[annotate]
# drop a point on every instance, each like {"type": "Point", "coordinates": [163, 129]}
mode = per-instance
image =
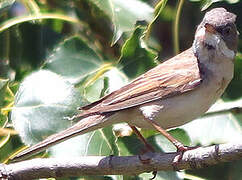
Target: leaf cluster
{"type": "Point", "coordinates": [56, 56]}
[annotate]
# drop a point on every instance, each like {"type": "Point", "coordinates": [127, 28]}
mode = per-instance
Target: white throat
{"type": "Point", "coordinates": [214, 40]}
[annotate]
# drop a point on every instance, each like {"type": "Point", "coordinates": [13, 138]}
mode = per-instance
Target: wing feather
{"type": "Point", "coordinates": [175, 76]}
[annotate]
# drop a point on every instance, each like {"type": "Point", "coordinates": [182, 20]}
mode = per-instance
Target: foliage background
{"type": "Point", "coordinates": [79, 50]}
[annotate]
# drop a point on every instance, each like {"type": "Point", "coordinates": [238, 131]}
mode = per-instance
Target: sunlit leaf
{"type": "Point", "coordinates": [18, 20]}
{"type": "Point", "coordinates": [42, 103]}
{"type": "Point", "coordinates": [115, 79]}
{"type": "Point", "coordinates": [207, 3]}
{"type": "Point", "coordinates": [124, 14]}
{"type": "Point", "coordinates": [215, 128]}
{"type": "Point", "coordinates": [162, 143]}
{"type": "Point", "coordinates": [6, 3]}
{"type": "Point", "coordinates": [99, 142]}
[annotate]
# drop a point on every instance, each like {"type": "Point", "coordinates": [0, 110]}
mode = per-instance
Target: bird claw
{"type": "Point", "coordinates": [181, 149]}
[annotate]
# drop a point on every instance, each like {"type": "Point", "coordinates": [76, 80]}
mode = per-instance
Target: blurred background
{"type": "Point", "coordinates": [69, 53]}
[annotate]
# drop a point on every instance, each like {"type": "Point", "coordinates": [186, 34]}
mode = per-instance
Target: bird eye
{"type": "Point", "coordinates": [226, 31]}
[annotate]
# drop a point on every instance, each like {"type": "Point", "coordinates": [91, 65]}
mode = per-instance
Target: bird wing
{"type": "Point", "coordinates": [173, 77]}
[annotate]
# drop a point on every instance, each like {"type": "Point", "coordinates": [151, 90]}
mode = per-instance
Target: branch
{"type": "Point", "coordinates": [128, 165]}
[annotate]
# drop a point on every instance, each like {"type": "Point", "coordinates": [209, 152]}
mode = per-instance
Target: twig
{"type": "Point", "coordinates": [176, 27]}
{"type": "Point", "coordinates": [126, 165]}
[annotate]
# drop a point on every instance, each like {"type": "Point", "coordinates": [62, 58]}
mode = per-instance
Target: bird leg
{"type": "Point", "coordinates": [147, 145]}
{"type": "Point", "coordinates": [180, 147]}
{"type": "Point", "coordinates": [140, 136]}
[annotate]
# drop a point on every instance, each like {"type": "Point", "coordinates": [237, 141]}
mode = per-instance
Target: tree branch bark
{"type": "Point", "coordinates": [127, 165]}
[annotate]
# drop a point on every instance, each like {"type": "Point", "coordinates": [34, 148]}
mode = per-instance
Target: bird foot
{"type": "Point", "coordinates": [181, 149]}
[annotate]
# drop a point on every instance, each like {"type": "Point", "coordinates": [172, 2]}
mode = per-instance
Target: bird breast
{"type": "Point", "coordinates": [178, 110]}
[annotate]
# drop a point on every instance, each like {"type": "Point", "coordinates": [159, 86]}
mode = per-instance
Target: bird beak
{"type": "Point", "coordinates": [209, 28]}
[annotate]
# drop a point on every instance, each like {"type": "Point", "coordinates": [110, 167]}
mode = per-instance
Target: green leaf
{"type": "Point", "coordinates": [99, 142]}
{"type": "Point", "coordinates": [207, 3]}
{"type": "Point", "coordinates": [3, 83]}
{"type": "Point", "coordinates": [115, 79]}
{"type": "Point", "coordinates": [158, 9]}
{"type": "Point", "coordinates": [6, 3]}
{"type": "Point", "coordinates": [42, 103]}
{"type": "Point", "coordinates": [6, 147]}
{"type": "Point", "coordinates": [3, 120]}
{"type": "Point", "coordinates": [5, 99]}
{"type": "Point", "coordinates": [235, 170]}
{"type": "Point", "coordinates": [231, 170]}
{"type": "Point", "coordinates": [3, 86]}
{"type": "Point", "coordinates": [93, 92]}
{"type": "Point", "coordinates": [234, 89]}
{"type": "Point", "coordinates": [163, 144]}
{"type": "Point", "coordinates": [215, 127]}
{"type": "Point", "coordinates": [135, 53]}
{"type": "Point", "coordinates": [131, 145]}
{"type": "Point", "coordinates": [124, 14]}
{"type": "Point", "coordinates": [74, 60]}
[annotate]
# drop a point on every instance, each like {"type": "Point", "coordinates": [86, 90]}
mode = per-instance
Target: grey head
{"type": "Point", "coordinates": [224, 23]}
{"type": "Point", "coordinates": [217, 32]}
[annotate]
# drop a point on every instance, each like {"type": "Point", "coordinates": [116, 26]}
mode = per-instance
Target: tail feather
{"type": "Point", "coordinates": [83, 126]}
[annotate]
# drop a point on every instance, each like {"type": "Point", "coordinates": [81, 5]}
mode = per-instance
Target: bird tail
{"type": "Point", "coordinates": [83, 126]}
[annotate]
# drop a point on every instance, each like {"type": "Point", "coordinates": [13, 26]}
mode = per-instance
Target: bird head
{"type": "Point", "coordinates": [216, 36]}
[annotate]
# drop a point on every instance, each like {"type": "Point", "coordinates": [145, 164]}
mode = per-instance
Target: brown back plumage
{"type": "Point", "coordinates": [178, 75]}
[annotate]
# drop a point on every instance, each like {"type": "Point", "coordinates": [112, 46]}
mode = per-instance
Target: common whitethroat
{"type": "Point", "coordinates": [169, 95]}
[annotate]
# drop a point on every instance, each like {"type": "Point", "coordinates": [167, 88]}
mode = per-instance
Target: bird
{"type": "Point", "coordinates": [171, 94]}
